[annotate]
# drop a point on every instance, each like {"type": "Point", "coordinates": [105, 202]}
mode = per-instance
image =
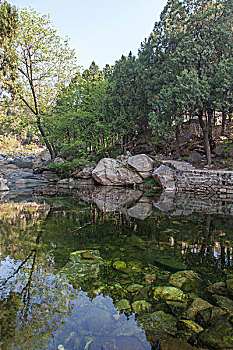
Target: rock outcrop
{"type": "Point", "coordinates": [112, 172]}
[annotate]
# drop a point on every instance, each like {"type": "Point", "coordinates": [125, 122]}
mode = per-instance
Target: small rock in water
{"type": "Point", "coordinates": [118, 265]}
{"type": "Point", "coordinates": [61, 347]}
{"type": "Point", "coordinates": [140, 306]}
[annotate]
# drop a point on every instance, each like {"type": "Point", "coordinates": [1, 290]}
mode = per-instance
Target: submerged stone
{"type": "Point", "coordinates": [217, 288]}
{"type": "Point", "coordinates": [189, 325]}
{"type": "Point", "coordinates": [170, 262]}
{"type": "Point", "coordinates": [133, 288]}
{"type": "Point", "coordinates": [223, 302]}
{"type": "Point", "coordinates": [140, 306]}
{"type": "Point", "coordinates": [159, 323]}
{"type": "Point", "coordinates": [230, 286]}
{"type": "Point", "coordinates": [211, 316]}
{"type": "Point", "coordinates": [123, 304]}
{"type": "Point", "coordinates": [119, 265]}
{"type": "Point", "coordinates": [170, 343]}
{"type": "Point", "coordinates": [217, 337]}
{"type": "Point", "coordinates": [198, 304]}
{"type": "Point", "coordinates": [168, 293]}
{"type": "Point", "coordinates": [186, 280]}
{"type": "Point", "coordinates": [176, 307]}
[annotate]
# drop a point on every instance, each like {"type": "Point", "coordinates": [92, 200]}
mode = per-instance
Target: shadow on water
{"type": "Point", "coordinates": [114, 269]}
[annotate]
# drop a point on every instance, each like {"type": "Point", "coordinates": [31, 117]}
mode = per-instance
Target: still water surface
{"type": "Point", "coordinates": [73, 277]}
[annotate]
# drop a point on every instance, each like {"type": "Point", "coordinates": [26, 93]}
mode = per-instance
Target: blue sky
{"type": "Point", "coordinates": [100, 30]}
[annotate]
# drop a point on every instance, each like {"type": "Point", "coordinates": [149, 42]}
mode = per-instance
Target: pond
{"type": "Point", "coordinates": [74, 277]}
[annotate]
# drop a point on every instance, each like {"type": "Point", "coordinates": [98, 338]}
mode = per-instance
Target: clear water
{"type": "Point", "coordinates": [51, 299]}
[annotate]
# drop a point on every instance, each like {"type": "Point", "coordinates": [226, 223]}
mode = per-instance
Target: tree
{"type": "Point", "coordinates": [127, 108]}
{"type": "Point", "coordinates": [45, 66]}
{"type": "Point", "coordinates": [191, 54]}
{"type": "Point", "coordinates": [78, 124]}
{"type": "Point", "coordinates": [8, 26]}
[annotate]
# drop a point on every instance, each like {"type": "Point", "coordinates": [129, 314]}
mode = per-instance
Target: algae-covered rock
{"type": "Point", "coordinates": [158, 323]}
{"type": "Point", "coordinates": [217, 337]}
{"type": "Point", "coordinates": [119, 265]}
{"type": "Point", "coordinates": [123, 304]}
{"type": "Point", "coordinates": [217, 288]}
{"type": "Point", "coordinates": [186, 280]}
{"type": "Point", "coordinates": [211, 316]}
{"type": "Point", "coordinates": [79, 267]}
{"type": "Point", "coordinates": [140, 306]}
{"type": "Point", "coordinates": [168, 293]}
{"type": "Point", "coordinates": [133, 288]}
{"type": "Point", "coordinates": [223, 302]}
{"type": "Point", "coordinates": [176, 307]}
{"type": "Point", "coordinates": [230, 286]}
{"type": "Point", "coordinates": [198, 304]}
{"type": "Point", "coordinates": [170, 343]}
{"type": "Point", "coordinates": [169, 262]}
{"type": "Point", "coordinates": [189, 325]}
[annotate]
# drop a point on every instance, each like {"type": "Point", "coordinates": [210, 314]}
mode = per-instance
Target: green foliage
{"type": "Point", "coordinates": [8, 26]}
{"type": "Point", "coordinates": [78, 126]}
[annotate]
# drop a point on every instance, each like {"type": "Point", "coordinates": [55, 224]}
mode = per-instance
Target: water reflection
{"type": "Point", "coordinates": [80, 278]}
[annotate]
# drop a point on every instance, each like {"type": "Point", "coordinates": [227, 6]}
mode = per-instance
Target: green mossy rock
{"type": "Point", "coordinates": [230, 286]}
{"type": "Point", "coordinates": [212, 316]}
{"type": "Point", "coordinates": [158, 323]}
{"type": "Point", "coordinates": [176, 307]}
{"type": "Point", "coordinates": [190, 326]}
{"type": "Point", "coordinates": [218, 337]}
{"type": "Point", "coordinates": [119, 265]}
{"type": "Point", "coordinates": [186, 280]}
{"type": "Point", "coordinates": [140, 306]}
{"type": "Point", "coordinates": [198, 304]}
{"type": "Point", "coordinates": [168, 293]}
{"type": "Point", "coordinates": [134, 288]}
{"type": "Point", "coordinates": [223, 302]}
{"type": "Point", "coordinates": [170, 343]}
{"type": "Point", "coordinates": [123, 304]}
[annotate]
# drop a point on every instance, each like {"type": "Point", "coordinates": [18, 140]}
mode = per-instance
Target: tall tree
{"type": "Point", "coordinates": [191, 53]}
{"type": "Point", "coordinates": [126, 104]}
{"type": "Point", "coordinates": [45, 65]}
{"type": "Point", "coordinates": [8, 26]}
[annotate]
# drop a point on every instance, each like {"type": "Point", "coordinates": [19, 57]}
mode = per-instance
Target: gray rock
{"type": "Point", "coordinates": [164, 175]}
{"type": "Point", "coordinates": [3, 186]}
{"type": "Point", "coordinates": [142, 164]}
{"type": "Point", "coordinates": [45, 156]}
{"type": "Point", "coordinates": [140, 211]}
{"type": "Point", "coordinates": [111, 172]}
{"type": "Point", "coordinates": [86, 173]}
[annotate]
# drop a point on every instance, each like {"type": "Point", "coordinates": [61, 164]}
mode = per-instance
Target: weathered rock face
{"type": "Point", "coordinates": [164, 175]}
{"type": "Point", "coordinates": [142, 164]}
{"type": "Point", "coordinates": [85, 173]}
{"type": "Point", "coordinates": [111, 172]}
{"type": "Point", "coordinates": [3, 186]}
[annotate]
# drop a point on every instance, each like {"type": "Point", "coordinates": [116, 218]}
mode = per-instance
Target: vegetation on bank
{"type": "Point", "coordinates": [183, 72]}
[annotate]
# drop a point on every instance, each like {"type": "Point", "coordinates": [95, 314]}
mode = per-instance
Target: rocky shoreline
{"type": "Point", "coordinates": [28, 172]}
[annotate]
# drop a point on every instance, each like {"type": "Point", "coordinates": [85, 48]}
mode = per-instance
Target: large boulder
{"type": "Point", "coordinates": [112, 172]}
{"type": "Point", "coordinates": [3, 186]}
{"type": "Point", "coordinates": [164, 175]}
{"type": "Point", "coordinates": [142, 164]}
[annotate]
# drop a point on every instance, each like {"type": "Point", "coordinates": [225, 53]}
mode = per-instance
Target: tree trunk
{"type": "Point", "coordinates": [206, 137]}
{"type": "Point", "coordinates": [125, 143]}
{"type": "Point", "coordinates": [177, 142]}
{"type": "Point", "coordinates": [224, 117]}
{"type": "Point", "coordinates": [51, 151]}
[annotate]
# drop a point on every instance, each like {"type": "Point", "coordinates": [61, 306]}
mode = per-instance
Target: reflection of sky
{"type": "Point", "coordinates": [8, 267]}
